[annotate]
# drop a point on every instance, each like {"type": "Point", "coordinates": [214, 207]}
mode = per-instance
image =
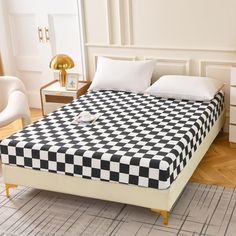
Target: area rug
{"type": "Point", "coordinates": [201, 210]}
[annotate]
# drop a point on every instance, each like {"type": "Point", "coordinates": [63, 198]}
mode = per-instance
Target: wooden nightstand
{"type": "Point", "coordinates": [54, 96]}
{"type": "Point", "coordinates": [232, 119]}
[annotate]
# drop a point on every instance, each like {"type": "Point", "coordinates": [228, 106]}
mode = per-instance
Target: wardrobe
{"type": "Point", "coordinates": [38, 30]}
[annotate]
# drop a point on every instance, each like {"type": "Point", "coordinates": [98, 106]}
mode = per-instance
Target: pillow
{"type": "Point", "coordinates": [185, 87]}
{"type": "Point", "coordinates": [132, 76]}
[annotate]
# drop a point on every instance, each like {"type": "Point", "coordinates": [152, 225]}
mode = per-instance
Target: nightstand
{"type": "Point", "coordinates": [54, 96]}
{"type": "Point", "coordinates": [232, 119]}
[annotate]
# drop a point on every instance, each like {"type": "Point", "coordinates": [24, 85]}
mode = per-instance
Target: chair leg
{"type": "Point", "coordinates": [7, 187]}
{"type": "Point", "coordinates": [164, 214]}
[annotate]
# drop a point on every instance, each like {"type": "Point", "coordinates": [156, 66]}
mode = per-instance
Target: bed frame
{"type": "Point", "coordinates": [160, 201]}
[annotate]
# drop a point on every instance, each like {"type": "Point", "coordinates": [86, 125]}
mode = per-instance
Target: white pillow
{"type": "Point", "coordinates": [133, 76]}
{"type": "Point", "coordinates": [185, 87]}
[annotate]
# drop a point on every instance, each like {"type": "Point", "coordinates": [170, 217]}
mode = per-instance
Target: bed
{"type": "Point", "coordinates": [142, 150]}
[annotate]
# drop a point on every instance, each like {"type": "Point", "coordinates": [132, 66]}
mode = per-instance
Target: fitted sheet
{"type": "Point", "coordinates": [138, 139]}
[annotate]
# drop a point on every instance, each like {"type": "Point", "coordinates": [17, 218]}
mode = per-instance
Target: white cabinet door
{"type": "Point", "coordinates": [64, 30]}
{"type": "Point", "coordinates": [56, 23]}
{"type": "Point", "coordinates": [28, 50]}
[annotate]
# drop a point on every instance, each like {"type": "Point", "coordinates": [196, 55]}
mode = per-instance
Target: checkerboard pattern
{"type": "Point", "coordinates": [138, 139]}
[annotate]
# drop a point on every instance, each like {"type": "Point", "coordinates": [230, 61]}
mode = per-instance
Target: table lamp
{"type": "Point", "coordinates": [61, 62]}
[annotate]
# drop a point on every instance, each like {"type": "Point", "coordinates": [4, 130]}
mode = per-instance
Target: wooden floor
{"type": "Point", "coordinates": [219, 164]}
{"type": "Point", "coordinates": [16, 126]}
{"type": "Point", "coordinates": [217, 167]}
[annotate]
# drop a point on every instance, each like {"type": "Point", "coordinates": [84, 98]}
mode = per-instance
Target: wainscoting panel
{"type": "Point", "coordinates": [96, 21]}
{"type": "Point", "coordinates": [170, 66]}
{"type": "Point", "coordinates": [184, 24]}
{"type": "Point", "coordinates": [219, 70]}
{"type": "Point", "coordinates": [114, 57]}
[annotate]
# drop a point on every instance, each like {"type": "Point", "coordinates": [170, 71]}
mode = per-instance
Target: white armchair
{"type": "Point", "coordinates": [13, 101]}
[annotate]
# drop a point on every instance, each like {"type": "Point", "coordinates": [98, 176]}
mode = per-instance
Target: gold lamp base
{"type": "Point", "coordinates": [62, 78]}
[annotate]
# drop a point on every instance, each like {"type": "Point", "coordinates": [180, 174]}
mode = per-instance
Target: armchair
{"type": "Point", "coordinates": [13, 101]}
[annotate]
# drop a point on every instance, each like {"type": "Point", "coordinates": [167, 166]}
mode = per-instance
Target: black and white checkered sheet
{"type": "Point", "coordinates": [139, 139]}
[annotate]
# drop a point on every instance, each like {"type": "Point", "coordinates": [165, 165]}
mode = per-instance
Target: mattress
{"type": "Point", "coordinates": [138, 139]}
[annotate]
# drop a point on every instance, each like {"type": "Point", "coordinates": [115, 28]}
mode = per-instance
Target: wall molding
{"type": "Point", "coordinates": [130, 22]}
{"type": "Point", "coordinates": [153, 47]}
{"type": "Point", "coordinates": [171, 61]}
{"type": "Point", "coordinates": [81, 7]}
{"type": "Point", "coordinates": [108, 21]}
{"type": "Point", "coordinates": [167, 61]}
{"type": "Point", "coordinates": [203, 64]}
{"type": "Point", "coordinates": [121, 22]}
{"type": "Point", "coordinates": [81, 19]}
{"type": "Point", "coordinates": [125, 19]}
{"type": "Point", "coordinates": [111, 56]}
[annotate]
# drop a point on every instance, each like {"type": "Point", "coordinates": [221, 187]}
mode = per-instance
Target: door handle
{"type": "Point", "coordinates": [46, 34]}
{"type": "Point", "coordinates": [40, 34]}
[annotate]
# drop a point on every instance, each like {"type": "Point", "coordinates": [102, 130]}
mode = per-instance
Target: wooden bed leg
{"type": "Point", "coordinates": [8, 186]}
{"type": "Point", "coordinates": [164, 214]}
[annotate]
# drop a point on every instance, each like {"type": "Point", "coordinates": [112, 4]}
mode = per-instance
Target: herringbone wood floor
{"type": "Point", "coordinates": [217, 167]}
{"type": "Point", "coordinates": [219, 164]}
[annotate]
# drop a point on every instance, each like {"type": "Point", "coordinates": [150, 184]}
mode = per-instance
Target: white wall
{"type": "Point", "coordinates": [196, 37]}
{"type": "Point", "coordinates": [5, 51]}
